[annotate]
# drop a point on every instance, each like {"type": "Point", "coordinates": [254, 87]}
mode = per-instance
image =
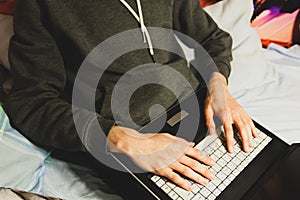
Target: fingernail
{"type": "Point", "coordinates": [212, 174]}
{"type": "Point", "coordinates": [205, 181]}
{"type": "Point", "coordinates": [251, 145]}
{"type": "Point", "coordinates": [247, 149]}
{"type": "Point", "coordinates": [188, 186]}
{"type": "Point", "coordinates": [192, 144]}
{"type": "Point", "coordinates": [211, 131]}
{"type": "Point", "coordinates": [230, 149]}
{"type": "Point", "coordinates": [212, 162]}
{"type": "Point", "coordinates": [203, 155]}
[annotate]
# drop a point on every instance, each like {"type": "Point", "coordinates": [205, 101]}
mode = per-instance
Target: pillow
{"type": "Point", "coordinates": [249, 67]}
{"type": "Point", "coordinates": [6, 31]}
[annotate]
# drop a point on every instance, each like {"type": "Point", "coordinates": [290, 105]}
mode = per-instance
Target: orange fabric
{"type": "Point", "coordinates": [7, 7]}
{"type": "Point", "coordinates": [208, 2]}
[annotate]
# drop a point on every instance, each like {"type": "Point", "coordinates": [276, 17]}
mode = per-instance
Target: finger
{"type": "Point", "coordinates": [250, 134]}
{"type": "Point", "coordinates": [200, 156]}
{"type": "Point", "coordinates": [189, 173]}
{"type": "Point", "coordinates": [197, 167]}
{"type": "Point", "coordinates": [246, 133]}
{"type": "Point", "coordinates": [253, 129]}
{"type": "Point", "coordinates": [209, 116]}
{"type": "Point", "coordinates": [175, 178]}
{"type": "Point", "coordinates": [229, 135]}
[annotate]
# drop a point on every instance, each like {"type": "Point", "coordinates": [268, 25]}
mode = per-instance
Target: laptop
{"type": "Point", "coordinates": [236, 174]}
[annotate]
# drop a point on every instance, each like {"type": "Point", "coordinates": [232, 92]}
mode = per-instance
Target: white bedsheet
{"type": "Point", "coordinates": [277, 105]}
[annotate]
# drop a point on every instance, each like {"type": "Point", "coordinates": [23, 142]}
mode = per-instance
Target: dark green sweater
{"type": "Point", "coordinates": [53, 37]}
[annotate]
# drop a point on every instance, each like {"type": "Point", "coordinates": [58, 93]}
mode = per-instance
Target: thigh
{"type": "Point", "coordinates": [22, 163]}
{"type": "Point", "coordinates": [72, 181]}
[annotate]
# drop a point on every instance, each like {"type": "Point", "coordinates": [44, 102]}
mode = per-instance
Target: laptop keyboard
{"type": "Point", "coordinates": [227, 168]}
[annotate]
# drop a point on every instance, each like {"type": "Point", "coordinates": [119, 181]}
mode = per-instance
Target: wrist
{"type": "Point", "coordinates": [218, 77]}
{"type": "Point", "coordinates": [217, 82]}
{"type": "Point", "coordinates": [122, 139]}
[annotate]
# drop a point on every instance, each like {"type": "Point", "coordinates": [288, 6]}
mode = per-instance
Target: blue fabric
{"type": "Point", "coordinates": [27, 167]}
{"type": "Point", "coordinates": [22, 163]}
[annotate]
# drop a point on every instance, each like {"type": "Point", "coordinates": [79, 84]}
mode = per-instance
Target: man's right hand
{"type": "Point", "coordinates": [163, 154]}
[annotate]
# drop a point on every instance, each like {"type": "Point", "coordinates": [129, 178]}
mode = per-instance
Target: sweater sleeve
{"type": "Point", "coordinates": [192, 20]}
{"type": "Point", "coordinates": [34, 105]}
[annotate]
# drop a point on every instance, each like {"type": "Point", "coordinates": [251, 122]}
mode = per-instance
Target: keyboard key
{"type": "Point", "coordinates": [222, 149]}
{"type": "Point", "coordinates": [269, 139]}
{"type": "Point", "coordinates": [226, 182]}
{"type": "Point", "coordinates": [263, 136]}
{"type": "Point", "coordinates": [216, 144]}
{"type": "Point", "coordinates": [171, 185]}
{"type": "Point", "coordinates": [231, 166]}
{"type": "Point", "coordinates": [260, 147]}
{"type": "Point", "coordinates": [226, 170]}
{"type": "Point", "coordinates": [210, 186]}
{"type": "Point", "coordinates": [209, 151]}
{"type": "Point", "coordinates": [195, 188]}
{"type": "Point", "coordinates": [222, 186]}
{"type": "Point", "coordinates": [216, 167]}
{"type": "Point", "coordinates": [236, 161]}
{"type": "Point", "coordinates": [222, 162]}
{"type": "Point", "coordinates": [217, 181]}
{"type": "Point", "coordinates": [236, 172]}
{"type": "Point", "coordinates": [214, 157]}
{"type": "Point", "coordinates": [231, 177]}
{"type": "Point", "coordinates": [173, 195]}
{"type": "Point", "coordinates": [166, 188]}
{"type": "Point", "coordinates": [181, 192]}
{"type": "Point", "coordinates": [190, 195]}
{"type": "Point", "coordinates": [255, 152]}
{"type": "Point", "coordinates": [205, 192]}
{"type": "Point", "coordinates": [226, 157]}
{"type": "Point", "coordinates": [241, 155]}
{"type": "Point", "coordinates": [211, 197]}
{"type": "Point", "coordinates": [218, 153]}
{"type": "Point", "coordinates": [241, 167]}
{"type": "Point", "coordinates": [198, 197]}
{"type": "Point", "coordinates": [160, 182]}
{"type": "Point", "coordinates": [221, 176]}
{"type": "Point", "coordinates": [217, 192]}
{"type": "Point", "coordinates": [155, 178]}
{"type": "Point", "coordinates": [255, 142]}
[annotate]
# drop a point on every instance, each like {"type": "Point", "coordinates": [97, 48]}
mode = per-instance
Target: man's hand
{"type": "Point", "coordinates": [163, 154]}
{"type": "Point", "coordinates": [219, 102]}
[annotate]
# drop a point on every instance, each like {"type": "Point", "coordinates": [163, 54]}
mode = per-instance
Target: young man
{"type": "Point", "coordinates": [52, 39]}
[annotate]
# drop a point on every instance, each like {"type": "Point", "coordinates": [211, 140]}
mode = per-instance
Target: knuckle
{"type": "Point", "coordinates": [185, 171]}
{"type": "Point", "coordinates": [194, 164]}
{"type": "Point", "coordinates": [161, 172]}
{"type": "Point", "coordinates": [249, 121]}
{"type": "Point", "coordinates": [243, 128]}
{"type": "Point", "coordinates": [206, 172]}
{"type": "Point", "coordinates": [173, 177]}
{"type": "Point", "coordinates": [230, 140]}
{"type": "Point", "coordinates": [236, 114]}
{"type": "Point", "coordinates": [196, 151]}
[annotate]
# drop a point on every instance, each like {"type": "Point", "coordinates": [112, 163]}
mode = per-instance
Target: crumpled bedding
{"type": "Point", "coordinates": [276, 105]}
{"type": "Point", "coordinates": [12, 194]}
